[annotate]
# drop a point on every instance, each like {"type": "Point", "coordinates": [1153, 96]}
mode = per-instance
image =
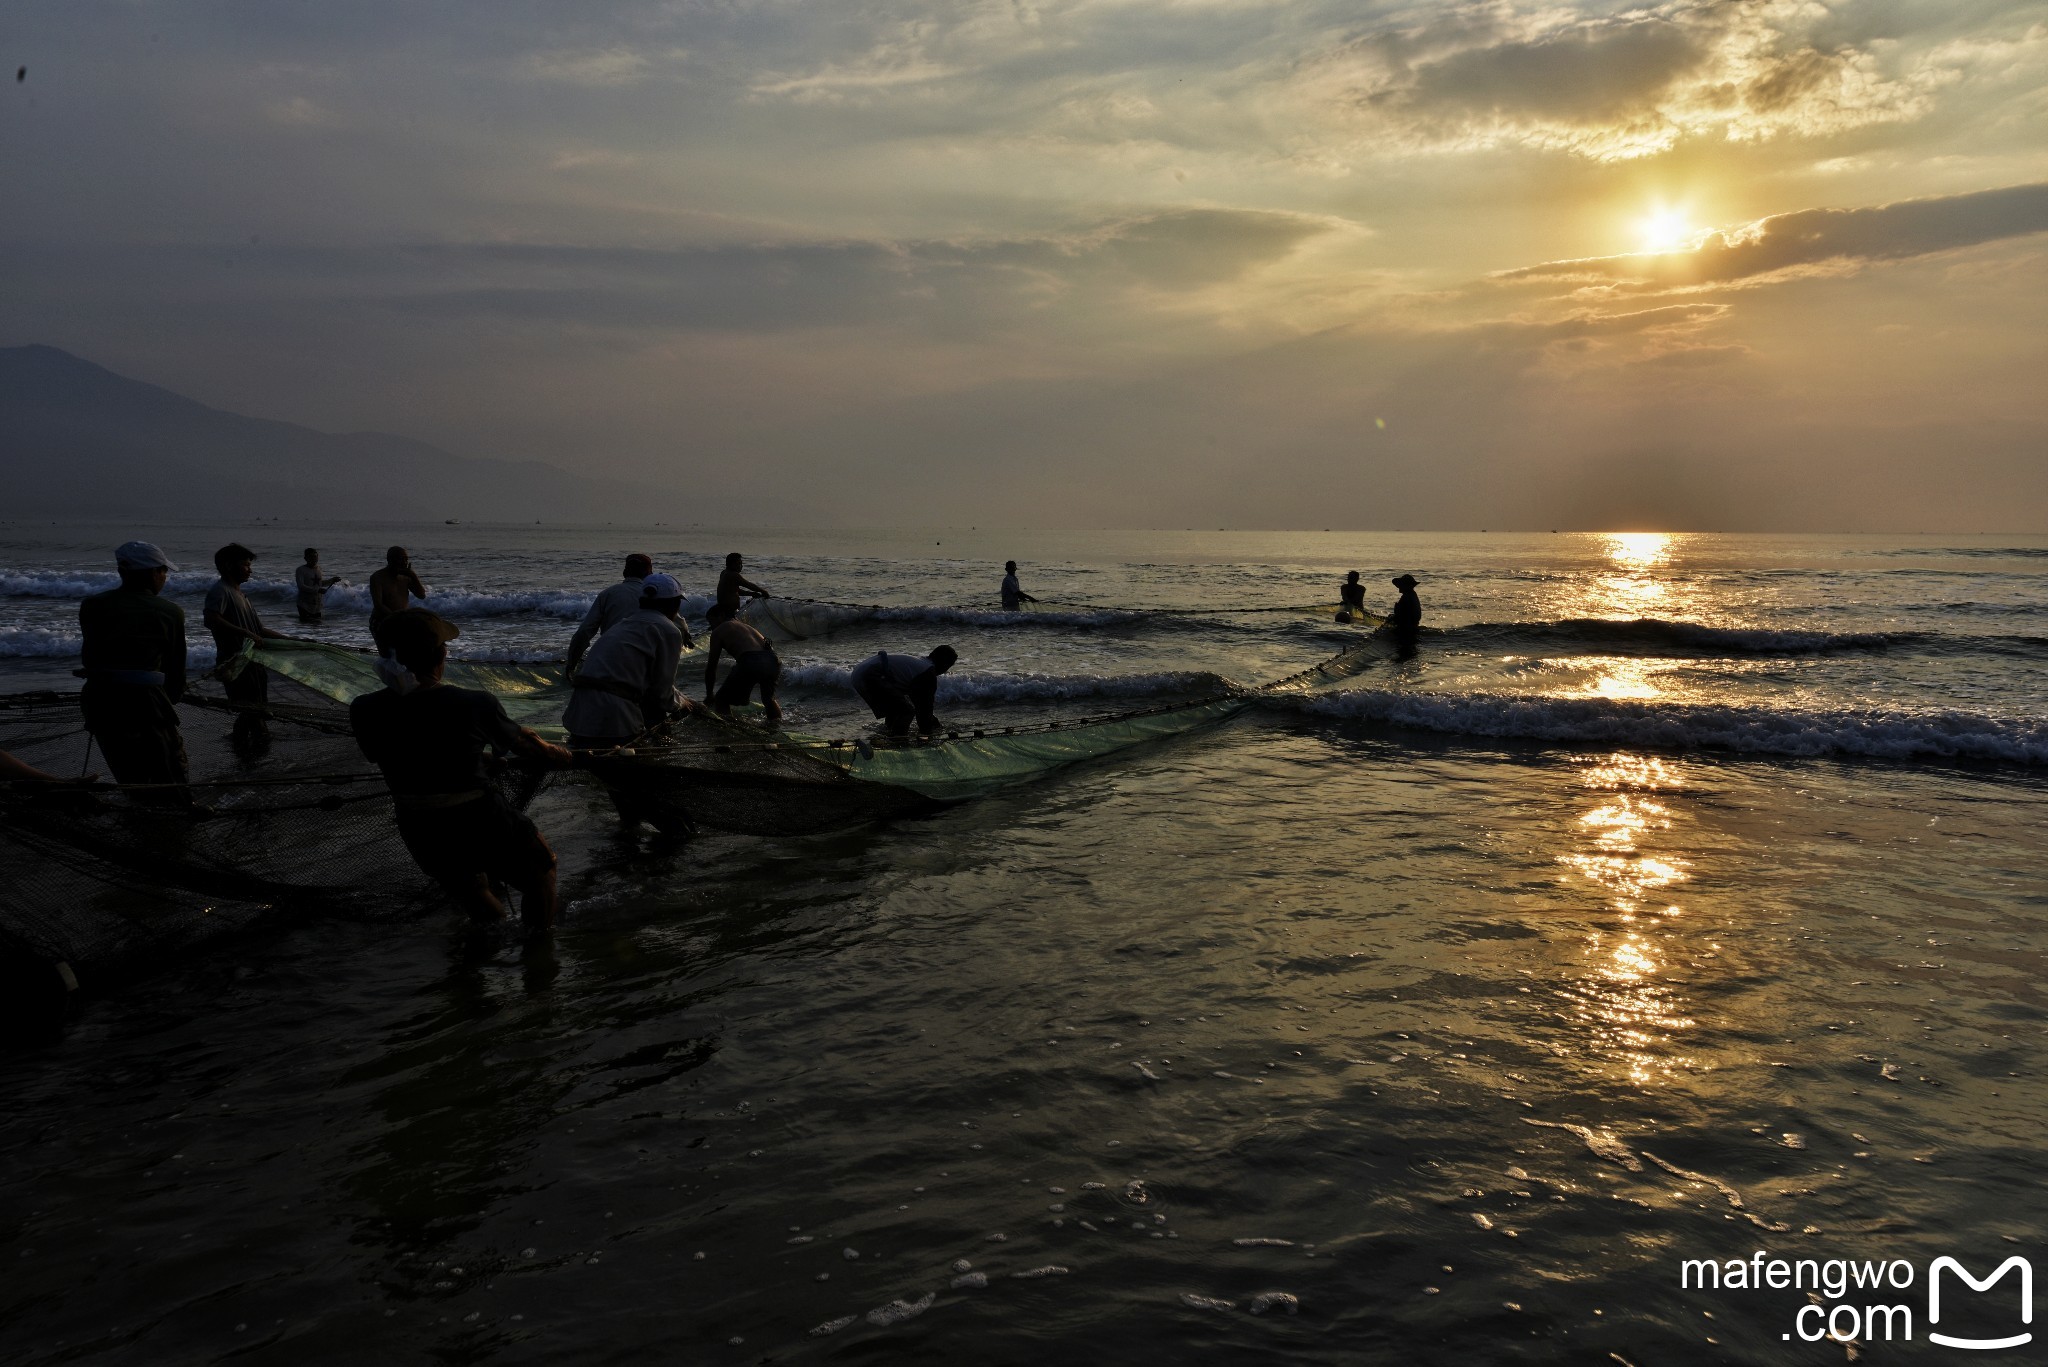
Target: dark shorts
{"type": "Point", "coordinates": [484, 836]}
{"type": "Point", "coordinates": [138, 733]}
{"type": "Point", "coordinates": [750, 670]}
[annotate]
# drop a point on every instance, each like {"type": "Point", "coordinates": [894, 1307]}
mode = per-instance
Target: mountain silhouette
{"type": "Point", "coordinates": [77, 440]}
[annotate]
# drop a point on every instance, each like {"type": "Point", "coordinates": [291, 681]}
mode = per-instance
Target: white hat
{"type": "Point", "coordinates": [660, 586]}
{"type": "Point", "coordinates": [142, 555]}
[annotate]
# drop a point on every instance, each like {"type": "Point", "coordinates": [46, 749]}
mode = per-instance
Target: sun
{"type": "Point", "coordinates": [1666, 230]}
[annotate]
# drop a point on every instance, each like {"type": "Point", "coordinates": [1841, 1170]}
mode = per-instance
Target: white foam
{"type": "Point", "coordinates": [1686, 726]}
{"type": "Point", "coordinates": [897, 1311]}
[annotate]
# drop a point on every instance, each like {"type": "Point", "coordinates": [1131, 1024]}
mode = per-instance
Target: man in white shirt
{"type": "Point", "coordinates": [613, 606]}
{"type": "Point", "coordinates": [901, 687]}
{"type": "Point", "coordinates": [627, 685]}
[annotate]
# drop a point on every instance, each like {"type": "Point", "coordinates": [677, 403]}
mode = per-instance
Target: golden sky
{"type": "Point", "coordinates": [1773, 265]}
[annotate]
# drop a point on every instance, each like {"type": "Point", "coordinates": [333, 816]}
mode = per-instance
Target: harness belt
{"type": "Point", "coordinates": [612, 686]}
{"type": "Point", "coordinates": [139, 678]}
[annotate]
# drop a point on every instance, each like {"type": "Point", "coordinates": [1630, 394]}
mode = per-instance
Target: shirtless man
{"type": "Point", "coordinates": [754, 664]}
{"type": "Point", "coordinates": [1353, 594]}
{"type": "Point", "coordinates": [731, 582]}
{"type": "Point", "coordinates": [389, 591]}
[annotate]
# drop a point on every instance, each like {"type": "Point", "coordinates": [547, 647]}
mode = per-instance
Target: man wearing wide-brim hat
{"type": "Point", "coordinates": [1406, 618]}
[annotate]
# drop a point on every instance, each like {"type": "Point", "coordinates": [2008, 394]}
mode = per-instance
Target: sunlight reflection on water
{"type": "Point", "coordinates": [1633, 1015]}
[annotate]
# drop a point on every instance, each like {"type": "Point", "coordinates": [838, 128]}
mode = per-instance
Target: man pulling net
{"type": "Point", "coordinates": [903, 688]}
{"type": "Point", "coordinates": [627, 685]}
{"type": "Point", "coordinates": [429, 740]}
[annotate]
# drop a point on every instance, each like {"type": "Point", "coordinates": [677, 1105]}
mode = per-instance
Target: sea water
{"type": "Point", "coordinates": [1679, 899]}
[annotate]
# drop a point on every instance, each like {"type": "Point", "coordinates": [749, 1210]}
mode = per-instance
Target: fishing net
{"type": "Point", "coordinates": [108, 881]}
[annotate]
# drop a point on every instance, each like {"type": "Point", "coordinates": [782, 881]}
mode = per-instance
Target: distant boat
{"type": "Point", "coordinates": [449, 521]}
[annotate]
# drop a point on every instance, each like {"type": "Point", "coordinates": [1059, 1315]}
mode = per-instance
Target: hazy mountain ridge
{"type": "Point", "coordinates": [78, 440]}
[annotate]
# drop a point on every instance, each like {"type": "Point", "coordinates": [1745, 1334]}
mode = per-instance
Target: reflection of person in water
{"type": "Point", "coordinates": [1406, 619]}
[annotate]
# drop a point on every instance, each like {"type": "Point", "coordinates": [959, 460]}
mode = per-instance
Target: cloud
{"type": "Point", "coordinates": [1622, 86]}
{"type": "Point", "coordinates": [1819, 241]}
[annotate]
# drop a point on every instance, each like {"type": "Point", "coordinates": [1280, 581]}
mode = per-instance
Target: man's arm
{"type": "Point", "coordinates": [750, 585]}
{"type": "Point", "coordinates": [586, 632]}
{"type": "Point", "coordinates": [924, 693]}
{"type": "Point", "coordinates": [711, 664]}
{"type": "Point", "coordinates": [174, 654]}
{"type": "Point", "coordinates": [527, 742]}
{"type": "Point", "coordinates": [412, 582]}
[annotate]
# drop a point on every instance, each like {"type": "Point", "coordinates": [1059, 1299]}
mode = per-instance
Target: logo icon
{"type": "Point", "coordinates": [2026, 1270]}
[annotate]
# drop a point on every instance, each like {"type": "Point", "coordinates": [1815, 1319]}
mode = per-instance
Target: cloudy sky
{"type": "Point", "coordinates": [1771, 264]}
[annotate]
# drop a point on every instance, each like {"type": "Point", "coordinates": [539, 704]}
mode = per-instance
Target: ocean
{"type": "Point", "coordinates": [1678, 902]}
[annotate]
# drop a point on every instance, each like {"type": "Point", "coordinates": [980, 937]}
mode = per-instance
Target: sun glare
{"type": "Point", "coordinates": [1666, 230]}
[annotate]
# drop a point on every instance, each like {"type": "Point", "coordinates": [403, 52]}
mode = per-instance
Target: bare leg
{"type": "Point", "coordinates": [538, 903]}
{"type": "Point", "coordinates": [473, 894]}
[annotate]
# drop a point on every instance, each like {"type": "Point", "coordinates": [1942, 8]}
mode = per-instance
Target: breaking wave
{"type": "Point", "coordinates": [1746, 730]}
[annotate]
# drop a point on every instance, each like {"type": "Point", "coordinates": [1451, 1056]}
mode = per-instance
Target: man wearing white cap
{"type": "Point", "coordinates": [134, 668]}
{"type": "Point", "coordinates": [628, 684]}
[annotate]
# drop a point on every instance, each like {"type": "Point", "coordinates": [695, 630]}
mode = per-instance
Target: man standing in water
{"type": "Point", "coordinates": [754, 665]}
{"type": "Point", "coordinates": [731, 583]}
{"type": "Point", "coordinates": [613, 606]}
{"type": "Point", "coordinates": [1013, 594]}
{"type": "Point", "coordinates": [134, 667]}
{"type": "Point", "coordinates": [430, 742]}
{"type": "Point", "coordinates": [313, 586]}
{"type": "Point", "coordinates": [898, 688]}
{"type": "Point", "coordinates": [391, 590]}
{"type": "Point", "coordinates": [233, 621]}
{"type": "Point", "coordinates": [1353, 595]}
{"type": "Point", "coordinates": [627, 685]}
{"type": "Point", "coordinates": [1406, 619]}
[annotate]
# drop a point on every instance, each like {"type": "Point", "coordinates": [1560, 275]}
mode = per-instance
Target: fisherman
{"type": "Point", "coordinates": [628, 685]}
{"type": "Point", "coordinates": [1406, 618]}
{"type": "Point", "coordinates": [731, 583]}
{"type": "Point", "coordinates": [1013, 596]}
{"type": "Point", "coordinates": [430, 743]}
{"type": "Point", "coordinates": [134, 668]}
{"type": "Point", "coordinates": [613, 606]}
{"type": "Point", "coordinates": [390, 591]}
{"type": "Point", "coordinates": [900, 687]}
{"type": "Point", "coordinates": [1353, 594]}
{"type": "Point", "coordinates": [754, 665]}
{"type": "Point", "coordinates": [232, 621]}
{"type": "Point", "coordinates": [313, 587]}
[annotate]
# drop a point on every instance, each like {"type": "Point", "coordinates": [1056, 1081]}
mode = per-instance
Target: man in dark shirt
{"type": "Point", "coordinates": [1406, 619]}
{"type": "Point", "coordinates": [134, 667]}
{"type": "Point", "coordinates": [233, 623]}
{"type": "Point", "coordinates": [430, 743]}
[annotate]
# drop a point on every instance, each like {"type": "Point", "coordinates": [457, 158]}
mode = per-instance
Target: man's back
{"type": "Point", "coordinates": [902, 670]}
{"type": "Point", "coordinates": [631, 669]}
{"type": "Point", "coordinates": [432, 739]}
{"type": "Point", "coordinates": [125, 628]}
{"type": "Point", "coordinates": [735, 637]}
